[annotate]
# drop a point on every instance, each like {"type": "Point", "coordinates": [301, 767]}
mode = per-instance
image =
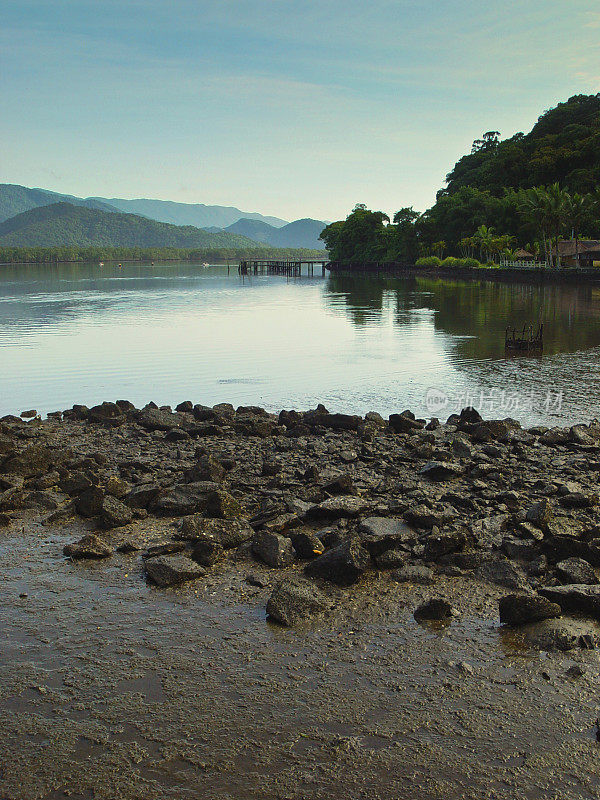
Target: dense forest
{"type": "Point", "coordinates": [524, 192]}
{"type": "Point", "coordinates": [48, 255]}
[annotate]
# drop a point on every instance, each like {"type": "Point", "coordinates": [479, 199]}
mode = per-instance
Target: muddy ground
{"type": "Point", "coordinates": [111, 687]}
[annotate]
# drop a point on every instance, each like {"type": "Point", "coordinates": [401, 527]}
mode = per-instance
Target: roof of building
{"type": "Point", "coordinates": [585, 246]}
{"type": "Point", "coordinates": [520, 253]}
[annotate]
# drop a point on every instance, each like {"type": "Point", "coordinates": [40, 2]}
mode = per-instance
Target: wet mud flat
{"type": "Point", "coordinates": [115, 687]}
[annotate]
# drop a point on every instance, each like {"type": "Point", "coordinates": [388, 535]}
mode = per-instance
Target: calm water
{"type": "Point", "coordinates": [81, 333]}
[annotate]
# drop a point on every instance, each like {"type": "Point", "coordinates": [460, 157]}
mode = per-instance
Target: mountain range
{"type": "Point", "coordinates": [65, 224]}
{"type": "Point", "coordinates": [62, 227]}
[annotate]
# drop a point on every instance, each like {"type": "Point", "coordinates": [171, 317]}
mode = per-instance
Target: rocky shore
{"type": "Point", "coordinates": [324, 500]}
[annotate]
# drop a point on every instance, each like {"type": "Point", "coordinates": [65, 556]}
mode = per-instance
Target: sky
{"type": "Point", "coordinates": [293, 108]}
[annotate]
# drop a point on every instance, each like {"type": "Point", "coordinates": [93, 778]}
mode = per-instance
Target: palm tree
{"type": "Point", "coordinates": [578, 211]}
{"type": "Point", "coordinates": [438, 248]}
{"type": "Point", "coordinates": [483, 236]}
{"type": "Point", "coordinates": [556, 200]}
{"type": "Point", "coordinates": [535, 205]}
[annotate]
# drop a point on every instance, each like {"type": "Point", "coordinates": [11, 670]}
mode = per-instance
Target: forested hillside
{"type": "Point", "coordinates": [63, 224]}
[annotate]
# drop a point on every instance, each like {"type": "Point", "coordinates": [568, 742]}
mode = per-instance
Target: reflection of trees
{"type": "Point", "coordinates": [480, 310]}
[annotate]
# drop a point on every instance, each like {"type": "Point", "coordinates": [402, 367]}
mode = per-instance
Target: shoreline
{"type": "Point", "coordinates": [335, 496]}
{"type": "Point", "coordinates": [507, 274]}
{"type": "Point", "coordinates": [303, 601]}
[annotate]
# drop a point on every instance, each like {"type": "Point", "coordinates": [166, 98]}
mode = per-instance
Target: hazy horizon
{"type": "Point", "coordinates": [274, 107]}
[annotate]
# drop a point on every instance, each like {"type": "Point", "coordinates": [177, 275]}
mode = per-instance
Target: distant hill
{"type": "Point", "coordinates": [197, 214]}
{"type": "Point", "coordinates": [301, 233]}
{"type": "Point", "coordinates": [16, 199]}
{"type": "Point", "coordinates": [65, 224]}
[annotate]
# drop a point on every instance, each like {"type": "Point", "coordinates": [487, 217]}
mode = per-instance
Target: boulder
{"type": "Point", "coordinates": [157, 419]}
{"type": "Point", "coordinates": [576, 570]}
{"type": "Point", "coordinates": [434, 609]}
{"type": "Point", "coordinates": [579, 500]}
{"type": "Point", "coordinates": [229, 533]}
{"type": "Point", "coordinates": [519, 609]}
{"type": "Point", "coordinates": [580, 598]}
{"type": "Point", "coordinates": [207, 468]}
{"type": "Point", "coordinates": [440, 471]}
{"type": "Point", "coordinates": [561, 634]}
{"type": "Point", "coordinates": [390, 559]}
{"type": "Point", "coordinates": [170, 570]}
{"type": "Point", "coordinates": [107, 414]}
{"type": "Point", "coordinates": [276, 551]}
{"type": "Point", "coordinates": [222, 505]}
{"type": "Point", "coordinates": [403, 423]}
{"type": "Point", "coordinates": [183, 498]}
{"type": "Point", "coordinates": [338, 507]}
{"type": "Point", "coordinates": [438, 545]}
{"type": "Point", "coordinates": [294, 600]}
{"type": "Point", "coordinates": [207, 551]}
{"type": "Point", "coordinates": [31, 461]}
{"type": "Point", "coordinates": [143, 495]}
{"type": "Point", "coordinates": [88, 547]}
{"type": "Point", "coordinates": [89, 503]}
{"type": "Point", "coordinates": [307, 544]}
{"type": "Point", "coordinates": [343, 564]}
{"type": "Point", "coordinates": [378, 534]}
{"type": "Point", "coordinates": [114, 513]}
{"type": "Point", "coordinates": [503, 573]}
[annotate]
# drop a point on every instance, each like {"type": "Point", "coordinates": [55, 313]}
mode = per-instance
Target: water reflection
{"type": "Point", "coordinates": [476, 314]}
{"type": "Point", "coordinates": [84, 333]}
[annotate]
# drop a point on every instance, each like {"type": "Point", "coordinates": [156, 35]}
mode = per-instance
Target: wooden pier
{"type": "Point", "coordinates": [291, 268]}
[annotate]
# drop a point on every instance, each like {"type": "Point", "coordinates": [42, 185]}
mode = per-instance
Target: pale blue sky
{"type": "Point", "coordinates": [292, 108]}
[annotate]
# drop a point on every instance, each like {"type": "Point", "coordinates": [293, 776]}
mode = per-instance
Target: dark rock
{"type": "Point", "coordinates": [434, 609]}
{"type": "Point", "coordinates": [34, 460]}
{"type": "Point", "coordinates": [186, 406]}
{"type": "Point", "coordinates": [578, 597]}
{"type": "Point", "coordinates": [503, 573]}
{"type": "Point", "coordinates": [107, 414]}
{"type": "Point", "coordinates": [114, 513]}
{"type": "Point", "coordinates": [89, 503]}
{"type": "Point", "coordinates": [271, 467]}
{"type": "Point", "coordinates": [414, 573]}
{"type": "Point", "coordinates": [222, 505]}
{"type": "Point", "coordinates": [206, 468]}
{"type": "Point", "coordinates": [343, 564]}
{"type": "Point", "coordinates": [163, 549]}
{"type": "Point", "coordinates": [402, 423]}
{"type": "Point", "coordinates": [343, 484]}
{"type": "Point", "coordinates": [207, 551]}
{"type": "Point", "coordinates": [183, 498]}
{"type": "Point", "coordinates": [576, 570]}
{"type": "Point", "coordinates": [540, 515]}
{"type": "Point", "coordinates": [88, 547]}
{"type": "Point", "coordinates": [171, 570]}
{"type": "Point", "coordinates": [470, 415]}
{"type": "Point", "coordinates": [229, 533]}
{"type": "Point", "coordinates": [294, 600]}
{"type": "Point", "coordinates": [443, 543]}
{"type": "Point", "coordinates": [519, 609]}
{"type": "Point", "coordinates": [28, 414]}
{"type": "Point", "coordinates": [491, 430]}
{"type": "Point", "coordinates": [338, 507]}
{"type": "Point", "coordinates": [378, 534]}
{"type": "Point", "coordinates": [143, 495]}
{"type": "Point", "coordinates": [276, 551]}
{"type": "Point", "coordinates": [156, 419]}
{"type": "Point", "coordinates": [307, 544]}
{"type": "Point", "coordinates": [440, 471]}
{"type": "Point", "coordinates": [391, 559]}
{"type": "Point", "coordinates": [579, 500]}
